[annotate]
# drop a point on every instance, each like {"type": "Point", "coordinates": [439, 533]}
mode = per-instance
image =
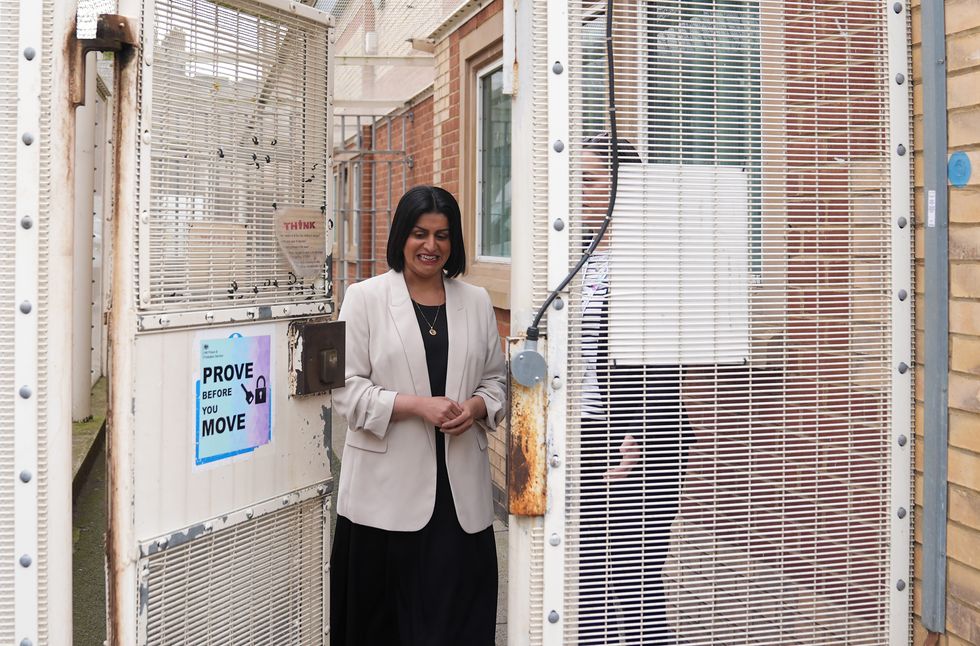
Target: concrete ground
{"type": "Point", "coordinates": [338, 430]}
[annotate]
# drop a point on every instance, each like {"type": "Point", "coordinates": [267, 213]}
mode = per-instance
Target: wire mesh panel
{"type": "Point", "coordinates": [258, 582]}
{"type": "Point", "coordinates": [235, 122]}
{"type": "Point", "coordinates": [730, 380]}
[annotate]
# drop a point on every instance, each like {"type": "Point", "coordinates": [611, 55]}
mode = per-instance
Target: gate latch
{"type": "Point", "coordinates": [114, 33]}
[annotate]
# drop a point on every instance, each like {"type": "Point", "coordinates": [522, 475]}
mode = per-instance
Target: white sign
{"type": "Point", "coordinates": [302, 235]}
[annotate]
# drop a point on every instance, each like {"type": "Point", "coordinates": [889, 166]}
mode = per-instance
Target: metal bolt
{"type": "Point", "coordinates": [902, 222]}
{"type": "Point", "coordinates": [558, 146]}
{"type": "Point", "coordinates": [25, 560]}
{"type": "Point", "coordinates": [901, 512]}
{"type": "Point", "coordinates": [209, 316]}
{"type": "Point", "coordinates": [27, 222]}
{"type": "Point", "coordinates": [903, 368]}
{"type": "Point", "coordinates": [148, 60]}
{"type": "Point", "coordinates": [285, 500]}
{"type": "Point", "coordinates": [554, 540]}
{"type": "Point", "coordinates": [25, 476]}
{"type": "Point", "coordinates": [249, 513]}
{"type": "Point", "coordinates": [553, 616]}
{"type": "Point", "coordinates": [26, 642]}
{"type": "Point", "coordinates": [900, 78]}
{"type": "Point", "coordinates": [556, 383]}
{"type": "Point", "coordinates": [900, 150]}
{"type": "Point", "coordinates": [558, 304]}
{"type": "Point", "coordinates": [558, 224]}
{"type": "Point", "coordinates": [321, 307]}
{"type": "Point", "coordinates": [146, 136]}
{"type": "Point", "coordinates": [250, 314]}
{"type": "Point", "coordinates": [902, 440]}
{"type": "Point", "coordinates": [144, 218]}
{"type": "Point", "coordinates": [555, 461]}
{"type": "Point", "coordinates": [25, 307]}
{"type": "Point", "coordinates": [29, 53]}
{"type": "Point", "coordinates": [900, 585]}
{"type": "Point", "coordinates": [27, 138]}
{"type": "Point", "coordinates": [164, 321]}
{"type": "Point", "coordinates": [902, 294]}
{"type": "Point", "coordinates": [25, 392]}
{"type": "Point", "coordinates": [557, 68]}
{"type": "Point", "coordinates": [162, 543]}
{"type": "Point", "coordinates": [897, 7]}
{"type": "Point", "coordinates": [321, 489]}
{"type": "Point", "coordinates": [209, 527]}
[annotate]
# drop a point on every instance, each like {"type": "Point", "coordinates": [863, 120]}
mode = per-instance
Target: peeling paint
{"type": "Point", "coordinates": [526, 455]}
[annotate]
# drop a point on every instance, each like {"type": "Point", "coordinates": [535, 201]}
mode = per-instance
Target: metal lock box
{"type": "Point", "coordinates": [316, 356]}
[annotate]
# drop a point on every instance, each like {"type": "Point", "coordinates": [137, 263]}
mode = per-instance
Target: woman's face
{"type": "Point", "coordinates": [595, 179]}
{"type": "Point", "coordinates": [427, 247]}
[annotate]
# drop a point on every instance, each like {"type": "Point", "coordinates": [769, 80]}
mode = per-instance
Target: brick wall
{"type": "Point", "coordinates": [963, 524]}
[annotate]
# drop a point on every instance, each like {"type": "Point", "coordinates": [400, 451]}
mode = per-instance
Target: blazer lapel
{"type": "Point", "coordinates": [402, 314]}
{"type": "Point", "coordinates": [458, 339]}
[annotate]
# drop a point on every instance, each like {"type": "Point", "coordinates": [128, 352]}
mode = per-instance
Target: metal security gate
{"type": "Point", "coordinates": [221, 353]}
{"type": "Point", "coordinates": [729, 390]}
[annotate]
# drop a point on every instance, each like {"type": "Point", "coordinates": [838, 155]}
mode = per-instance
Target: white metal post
{"type": "Point", "coordinates": [902, 290]}
{"type": "Point", "coordinates": [121, 542]}
{"type": "Point", "coordinates": [558, 183]}
{"type": "Point", "coordinates": [27, 543]}
{"type": "Point", "coordinates": [81, 276]}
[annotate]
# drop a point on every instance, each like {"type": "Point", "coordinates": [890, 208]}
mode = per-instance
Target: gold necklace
{"type": "Point", "coordinates": [432, 326]}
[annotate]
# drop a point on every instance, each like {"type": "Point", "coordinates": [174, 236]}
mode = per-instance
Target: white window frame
{"type": "Point", "coordinates": [482, 74]}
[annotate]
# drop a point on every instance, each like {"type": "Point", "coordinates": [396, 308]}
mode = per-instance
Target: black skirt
{"type": "Point", "coordinates": [433, 587]}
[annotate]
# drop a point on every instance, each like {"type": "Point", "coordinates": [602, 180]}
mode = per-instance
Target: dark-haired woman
{"type": "Point", "coordinates": [414, 560]}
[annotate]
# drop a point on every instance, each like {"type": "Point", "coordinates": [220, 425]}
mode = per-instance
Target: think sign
{"type": "Point", "coordinates": [234, 397]}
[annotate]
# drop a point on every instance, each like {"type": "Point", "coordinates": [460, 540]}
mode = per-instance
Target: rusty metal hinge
{"type": "Point", "coordinates": [114, 33]}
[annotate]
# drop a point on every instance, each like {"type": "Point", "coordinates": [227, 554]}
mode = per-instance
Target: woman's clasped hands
{"type": "Point", "coordinates": [450, 416]}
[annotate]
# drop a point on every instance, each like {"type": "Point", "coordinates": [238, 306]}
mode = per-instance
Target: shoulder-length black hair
{"type": "Point", "coordinates": [415, 203]}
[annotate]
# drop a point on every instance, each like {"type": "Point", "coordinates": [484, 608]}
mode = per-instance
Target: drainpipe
{"type": "Point", "coordinates": [936, 358]}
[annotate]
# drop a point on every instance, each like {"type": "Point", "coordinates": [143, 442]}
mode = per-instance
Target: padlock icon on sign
{"type": "Point", "coordinates": [260, 390]}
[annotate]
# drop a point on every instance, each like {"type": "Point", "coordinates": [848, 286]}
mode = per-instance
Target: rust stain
{"type": "Point", "coordinates": [526, 455]}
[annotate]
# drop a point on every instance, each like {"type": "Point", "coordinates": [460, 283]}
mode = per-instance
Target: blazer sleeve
{"type": "Point", "coordinates": [365, 405]}
{"type": "Point", "coordinates": [492, 386]}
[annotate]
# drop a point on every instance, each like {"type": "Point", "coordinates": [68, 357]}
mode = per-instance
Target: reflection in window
{"type": "Point", "coordinates": [493, 165]}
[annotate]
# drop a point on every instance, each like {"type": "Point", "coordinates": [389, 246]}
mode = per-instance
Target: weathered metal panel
{"type": "Point", "coordinates": [527, 464]}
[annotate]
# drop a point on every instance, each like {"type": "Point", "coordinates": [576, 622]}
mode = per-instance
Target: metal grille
{"type": "Point", "coordinates": [258, 582]}
{"type": "Point", "coordinates": [730, 380]}
{"type": "Point", "coordinates": [87, 16]}
{"type": "Point", "coordinates": [235, 120]}
{"type": "Point", "coordinates": [9, 21]}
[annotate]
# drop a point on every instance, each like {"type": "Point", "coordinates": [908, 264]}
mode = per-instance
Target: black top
{"type": "Point", "coordinates": [436, 346]}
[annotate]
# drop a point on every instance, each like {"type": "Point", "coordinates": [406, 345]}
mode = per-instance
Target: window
{"type": "Point", "coordinates": [493, 165]}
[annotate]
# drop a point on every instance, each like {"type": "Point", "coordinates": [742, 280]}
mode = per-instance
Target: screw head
{"type": "Point", "coordinates": [26, 642]}
{"type": "Point", "coordinates": [162, 543]}
{"type": "Point", "coordinates": [900, 585]}
{"type": "Point", "coordinates": [902, 294]}
{"type": "Point", "coordinates": [554, 540]}
{"type": "Point", "coordinates": [897, 7]}
{"type": "Point", "coordinates": [558, 146]}
{"type": "Point", "coordinates": [26, 222]}
{"type": "Point", "coordinates": [900, 150]}
{"type": "Point", "coordinates": [249, 513]}
{"type": "Point", "coordinates": [557, 68]}
{"type": "Point", "coordinates": [902, 440]}
{"type": "Point", "coordinates": [553, 616]}
{"type": "Point", "coordinates": [900, 78]}
{"type": "Point", "coordinates": [558, 224]}
{"type": "Point", "coordinates": [27, 138]}
{"type": "Point", "coordinates": [556, 383]}
{"type": "Point", "coordinates": [902, 512]}
{"type": "Point", "coordinates": [25, 476]}
{"type": "Point", "coordinates": [25, 560]}
{"type": "Point", "coordinates": [285, 500]}
{"type": "Point", "coordinates": [902, 222]}
{"type": "Point", "coordinates": [25, 392]}
{"type": "Point", "coordinates": [555, 461]}
{"type": "Point", "coordinates": [29, 53]}
{"type": "Point", "coordinates": [25, 307]}
{"type": "Point", "coordinates": [903, 368]}
{"type": "Point", "coordinates": [558, 304]}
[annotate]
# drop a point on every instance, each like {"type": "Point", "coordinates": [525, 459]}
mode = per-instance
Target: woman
{"type": "Point", "coordinates": [635, 438]}
{"type": "Point", "coordinates": [414, 559]}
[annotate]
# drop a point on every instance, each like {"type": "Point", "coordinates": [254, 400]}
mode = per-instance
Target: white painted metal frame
{"type": "Point", "coordinates": [903, 290]}
{"type": "Point", "coordinates": [28, 166]}
{"type": "Point", "coordinates": [231, 315]}
{"type": "Point", "coordinates": [557, 325]}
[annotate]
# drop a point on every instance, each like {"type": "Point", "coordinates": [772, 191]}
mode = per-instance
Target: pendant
{"type": "Point", "coordinates": [432, 331]}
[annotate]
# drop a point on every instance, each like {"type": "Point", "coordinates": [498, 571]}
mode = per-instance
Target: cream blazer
{"type": "Point", "coordinates": [388, 475]}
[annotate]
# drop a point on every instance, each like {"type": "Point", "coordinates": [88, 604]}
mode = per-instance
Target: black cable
{"type": "Point", "coordinates": [533, 331]}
